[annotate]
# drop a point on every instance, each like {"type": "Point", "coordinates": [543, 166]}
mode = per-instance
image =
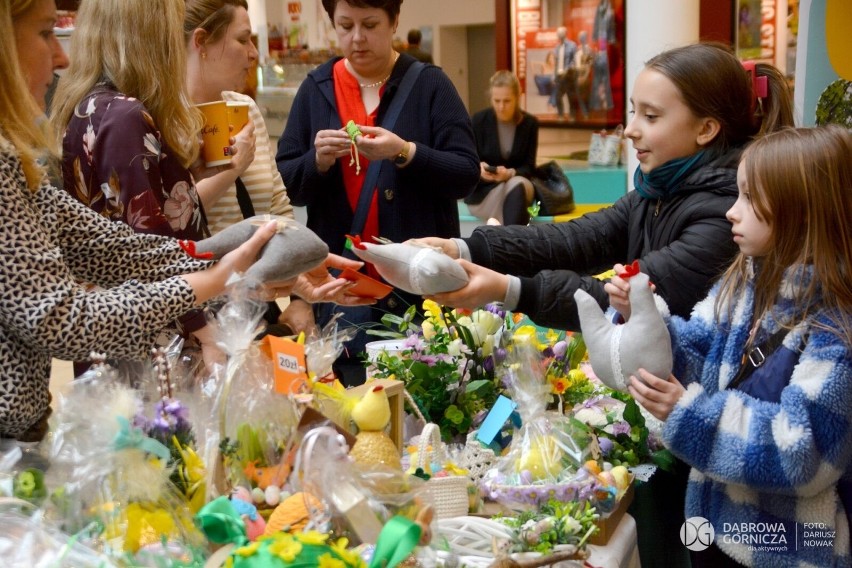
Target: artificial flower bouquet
{"type": "Point", "coordinates": [447, 363]}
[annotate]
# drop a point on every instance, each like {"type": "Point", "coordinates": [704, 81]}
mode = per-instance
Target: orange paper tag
{"type": "Point", "coordinates": [290, 369]}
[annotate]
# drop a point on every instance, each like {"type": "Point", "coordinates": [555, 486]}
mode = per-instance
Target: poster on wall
{"type": "Point", "coordinates": [756, 30]}
{"type": "Point", "coordinates": [573, 73]}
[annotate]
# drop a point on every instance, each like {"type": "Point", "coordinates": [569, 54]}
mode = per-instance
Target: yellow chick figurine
{"type": "Point", "coordinates": [371, 415]}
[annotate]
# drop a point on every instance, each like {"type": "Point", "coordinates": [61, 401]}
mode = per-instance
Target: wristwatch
{"type": "Point", "coordinates": [402, 157]}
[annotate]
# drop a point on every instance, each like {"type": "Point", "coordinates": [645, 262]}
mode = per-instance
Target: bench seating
{"type": "Point", "coordinates": [595, 187]}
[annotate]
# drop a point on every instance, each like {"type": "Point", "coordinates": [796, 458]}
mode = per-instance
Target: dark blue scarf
{"type": "Point", "coordinates": [666, 180]}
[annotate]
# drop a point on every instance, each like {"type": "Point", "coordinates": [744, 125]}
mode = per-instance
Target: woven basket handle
{"type": "Point", "coordinates": [430, 435]}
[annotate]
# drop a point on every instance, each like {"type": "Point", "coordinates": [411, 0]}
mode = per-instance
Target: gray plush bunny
{"type": "Point", "coordinates": [618, 351]}
{"type": "Point", "coordinates": [294, 248]}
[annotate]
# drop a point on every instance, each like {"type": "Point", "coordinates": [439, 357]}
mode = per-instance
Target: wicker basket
{"type": "Point", "coordinates": [447, 494]}
{"type": "Point", "coordinates": [476, 458]}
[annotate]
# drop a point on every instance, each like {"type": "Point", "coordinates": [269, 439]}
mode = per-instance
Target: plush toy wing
{"type": "Point", "coordinates": [415, 269]}
{"type": "Point", "coordinates": [292, 250]}
{"type": "Point", "coordinates": [617, 351]}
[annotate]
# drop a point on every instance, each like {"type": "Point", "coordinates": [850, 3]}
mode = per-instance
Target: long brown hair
{"type": "Point", "coordinates": [713, 83]}
{"type": "Point", "coordinates": [138, 46]}
{"type": "Point", "coordinates": [212, 16]}
{"type": "Point", "coordinates": [800, 183]}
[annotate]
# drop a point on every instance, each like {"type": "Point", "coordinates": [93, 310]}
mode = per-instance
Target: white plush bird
{"type": "Point", "coordinates": [413, 268]}
{"type": "Point", "coordinates": [618, 351]}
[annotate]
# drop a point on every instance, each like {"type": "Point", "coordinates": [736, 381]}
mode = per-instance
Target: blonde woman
{"type": "Point", "coordinates": [507, 142]}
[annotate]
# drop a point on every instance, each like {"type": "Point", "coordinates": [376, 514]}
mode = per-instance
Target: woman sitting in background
{"type": "Point", "coordinates": [507, 142]}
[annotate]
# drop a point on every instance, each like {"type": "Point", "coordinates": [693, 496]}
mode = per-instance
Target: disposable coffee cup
{"type": "Point", "coordinates": [237, 115]}
{"type": "Point", "coordinates": [216, 133]}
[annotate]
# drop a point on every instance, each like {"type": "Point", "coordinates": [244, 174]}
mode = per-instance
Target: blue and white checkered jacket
{"type": "Point", "coordinates": [754, 461]}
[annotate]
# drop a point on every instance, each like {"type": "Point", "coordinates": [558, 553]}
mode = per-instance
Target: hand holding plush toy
{"type": "Point", "coordinates": [294, 248]}
{"type": "Point", "coordinates": [618, 351]}
{"type": "Point", "coordinates": [413, 268]}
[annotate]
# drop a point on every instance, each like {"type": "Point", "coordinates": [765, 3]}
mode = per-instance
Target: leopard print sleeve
{"type": "Point", "coordinates": [47, 244]}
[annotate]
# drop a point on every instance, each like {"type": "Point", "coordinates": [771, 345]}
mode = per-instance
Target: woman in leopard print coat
{"type": "Point", "coordinates": [49, 243]}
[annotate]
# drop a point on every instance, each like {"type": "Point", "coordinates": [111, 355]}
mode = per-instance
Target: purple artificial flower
{"type": "Point", "coordinates": [495, 309]}
{"type": "Point", "coordinates": [488, 364]}
{"type": "Point", "coordinates": [547, 352]}
{"type": "Point", "coordinates": [560, 348]}
{"type": "Point", "coordinates": [620, 427]}
{"type": "Point", "coordinates": [415, 342]}
{"type": "Point", "coordinates": [429, 360]}
{"type": "Point", "coordinates": [606, 445]}
{"type": "Point", "coordinates": [499, 355]}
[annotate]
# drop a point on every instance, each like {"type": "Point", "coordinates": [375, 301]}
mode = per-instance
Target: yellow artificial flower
{"type": "Point", "coordinates": [552, 336]}
{"type": "Point", "coordinates": [350, 557]}
{"type": "Point", "coordinates": [193, 473]}
{"type": "Point", "coordinates": [145, 526]}
{"type": "Point", "coordinates": [285, 547]}
{"type": "Point", "coordinates": [559, 385]}
{"type": "Point", "coordinates": [312, 537]}
{"type": "Point", "coordinates": [526, 334]}
{"type": "Point", "coordinates": [247, 550]}
{"type": "Point", "coordinates": [577, 376]}
{"type": "Point", "coordinates": [329, 561]}
{"type": "Point", "coordinates": [432, 310]}
{"type": "Point", "coordinates": [428, 329]}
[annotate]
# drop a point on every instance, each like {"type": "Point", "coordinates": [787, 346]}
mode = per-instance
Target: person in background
{"type": "Point", "coordinates": [582, 84]}
{"type": "Point", "coordinates": [694, 108]}
{"type": "Point", "coordinates": [427, 160]}
{"type": "Point", "coordinates": [769, 443]}
{"type": "Point", "coordinates": [414, 38]}
{"type": "Point", "coordinates": [219, 52]}
{"type": "Point", "coordinates": [130, 131]}
{"type": "Point", "coordinates": [51, 243]}
{"type": "Point", "coordinates": [565, 75]}
{"type": "Point", "coordinates": [507, 143]}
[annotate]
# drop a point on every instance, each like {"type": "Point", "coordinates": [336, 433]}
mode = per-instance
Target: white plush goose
{"type": "Point", "coordinates": [617, 351]}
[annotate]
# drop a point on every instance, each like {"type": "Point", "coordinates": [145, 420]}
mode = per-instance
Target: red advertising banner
{"type": "Point", "coordinates": [756, 30]}
{"type": "Point", "coordinates": [526, 18]}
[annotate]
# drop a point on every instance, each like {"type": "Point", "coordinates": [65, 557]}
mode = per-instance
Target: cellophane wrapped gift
{"type": "Point", "coordinates": [544, 460]}
{"type": "Point", "coordinates": [246, 437]}
{"type": "Point", "coordinates": [110, 481]}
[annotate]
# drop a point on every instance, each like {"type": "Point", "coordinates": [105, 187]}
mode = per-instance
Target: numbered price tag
{"type": "Point", "coordinates": [290, 369]}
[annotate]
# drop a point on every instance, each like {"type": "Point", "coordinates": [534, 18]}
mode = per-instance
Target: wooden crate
{"type": "Point", "coordinates": [608, 524]}
{"type": "Point", "coordinates": [394, 389]}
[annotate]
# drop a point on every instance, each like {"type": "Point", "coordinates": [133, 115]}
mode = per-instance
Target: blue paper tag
{"type": "Point", "coordinates": [497, 416]}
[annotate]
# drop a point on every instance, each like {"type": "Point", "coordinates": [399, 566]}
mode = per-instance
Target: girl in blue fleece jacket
{"type": "Point", "coordinates": [770, 450]}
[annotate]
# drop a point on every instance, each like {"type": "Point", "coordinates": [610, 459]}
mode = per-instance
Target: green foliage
{"type": "Point", "coordinates": [554, 522]}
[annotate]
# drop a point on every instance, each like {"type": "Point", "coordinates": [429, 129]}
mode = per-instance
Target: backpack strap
{"type": "Point", "coordinates": [756, 356]}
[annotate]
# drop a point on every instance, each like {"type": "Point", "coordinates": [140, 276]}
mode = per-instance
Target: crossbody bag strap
{"type": "Point", "coordinates": [756, 356]}
{"type": "Point", "coordinates": [372, 175]}
{"type": "Point", "coordinates": [244, 199]}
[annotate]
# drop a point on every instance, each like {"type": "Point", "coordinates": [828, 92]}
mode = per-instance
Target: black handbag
{"type": "Point", "coordinates": [552, 189]}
